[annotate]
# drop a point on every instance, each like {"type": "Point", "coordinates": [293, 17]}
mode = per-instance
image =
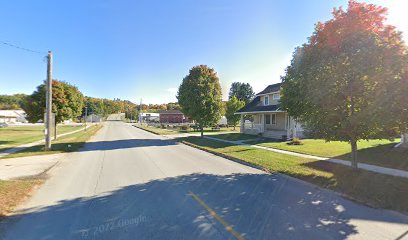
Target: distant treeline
{"type": "Point", "coordinates": [12, 102]}
{"type": "Point", "coordinates": [100, 106]}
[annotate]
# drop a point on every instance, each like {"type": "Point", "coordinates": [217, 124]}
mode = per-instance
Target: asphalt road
{"type": "Point", "coordinates": [130, 184]}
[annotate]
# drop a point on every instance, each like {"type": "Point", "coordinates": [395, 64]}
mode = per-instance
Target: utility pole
{"type": "Point", "coordinates": [86, 116]}
{"type": "Point", "coordinates": [141, 112]}
{"type": "Point", "coordinates": [48, 112]}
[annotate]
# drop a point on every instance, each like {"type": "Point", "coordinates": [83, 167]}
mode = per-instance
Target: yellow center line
{"type": "Point", "coordinates": [216, 216]}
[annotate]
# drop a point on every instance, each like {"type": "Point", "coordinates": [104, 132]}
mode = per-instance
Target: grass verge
{"type": "Point", "coordinates": [18, 135]}
{"type": "Point", "coordinates": [157, 131]}
{"type": "Point", "coordinates": [234, 136]}
{"type": "Point", "coordinates": [376, 190]}
{"type": "Point", "coordinates": [377, 152]}
{"type": "Point", "coordinates": [69, 143]}
{"type": "Point", "coordinates": [14, 192]}
{"type": "Point", "coordinates": [165, 131]}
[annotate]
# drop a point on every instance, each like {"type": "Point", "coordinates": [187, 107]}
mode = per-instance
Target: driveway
{"type": "Point", "coordinates": [130, 184]}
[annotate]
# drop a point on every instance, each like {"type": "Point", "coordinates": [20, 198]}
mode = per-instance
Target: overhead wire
{"type": "Point", "coordinates": [21, 48]}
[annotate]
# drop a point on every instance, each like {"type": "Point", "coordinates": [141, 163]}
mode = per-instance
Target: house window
{"type": "Point", "coordinates": [273, 118]}
{"type": "Point", "coordinates": [266, 100]}
{"type": "Point", "coordinates": [276, 96]}
{"type": "Point", "coordinates": [268, 119]}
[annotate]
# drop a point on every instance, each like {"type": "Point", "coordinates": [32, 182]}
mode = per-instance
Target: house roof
{"type": "Point", "coordinates": [255, 107]}
{"type": "Point", "coordinates": [170, 112]}
{"type": "Point", "coordinates": [11, 113]}
{"type": "Point", "coordinates": [271, 88]}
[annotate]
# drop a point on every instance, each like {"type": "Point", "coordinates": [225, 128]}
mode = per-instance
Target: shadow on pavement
{"type": "Point", "coordinates": [258, 206]}
{"type": "Point", "coordinates": [125, 144]}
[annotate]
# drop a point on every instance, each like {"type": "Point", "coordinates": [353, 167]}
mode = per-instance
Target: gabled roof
{"type": "Point", "coordinates": [11, 113]}
{"type": "Point", "coordinates": [255, 107]}
{"type": "Point", "coordinates": [271, 88]}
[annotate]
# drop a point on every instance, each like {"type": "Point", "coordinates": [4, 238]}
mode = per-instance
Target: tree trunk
{"type": "Point", "coordinates": [354, 163]}
{"type": "Point", "coordinates": [55, 130]}
{"type": "Point", "coordinates": [234, 127]}
{"type": "Point", "coordinates": [202, 131]}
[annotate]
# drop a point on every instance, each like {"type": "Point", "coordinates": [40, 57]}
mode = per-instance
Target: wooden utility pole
{"type": "Point", "coordinates": [86, 116]}
{"type": "Point", "coordinates": [48, 111]}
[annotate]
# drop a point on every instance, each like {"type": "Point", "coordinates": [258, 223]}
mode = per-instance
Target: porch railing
{"type": "Point", "coordinates": [254, 126]}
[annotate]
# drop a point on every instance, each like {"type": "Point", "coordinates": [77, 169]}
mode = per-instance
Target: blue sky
{"type": "Point", "coordinates": [132, 49]}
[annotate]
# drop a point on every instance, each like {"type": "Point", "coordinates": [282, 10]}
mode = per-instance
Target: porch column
{"type": "Point", "coordinates": [288, 125]}
{"type": "Point", "coordinates": [294, 135]}
{"type": "Point", "coordinates": [242, 124]}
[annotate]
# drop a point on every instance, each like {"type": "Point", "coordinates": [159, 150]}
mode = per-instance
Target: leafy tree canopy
{"type": "Point", "coordinates": [347, 83]}
{"type": "Point", "coordinates": [199, 96]}
{"type": "Point", "coordinates": [242, 91]}
{"type": "Point", "coordinates": [233, 105]}
{"type": "Point", "coordinates": [67, 102]}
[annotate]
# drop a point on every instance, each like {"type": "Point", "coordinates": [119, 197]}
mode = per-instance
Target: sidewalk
{"type": "Point", "coordinates": [24, 146]}
{"type": "Point", "coordinates": [26, 167]}
{"type": "Point", "coordinates": [368, 167]}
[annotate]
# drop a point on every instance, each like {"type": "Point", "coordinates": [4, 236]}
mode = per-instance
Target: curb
{"type": "Point", "coordinates": [343, 195]}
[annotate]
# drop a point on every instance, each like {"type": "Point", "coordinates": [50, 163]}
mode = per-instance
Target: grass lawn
{"type": "Point", "coordinates": [376, 152]}
{"type": "Point", "coordinates": [209, 131]}
{"type": "Point", "coordinates": [69, 143]}
{"type": "Point", "coordinates": [14, 192]}
{"type": "Point", "coordinates": [14, 136]}
{"type": "Point", "coordinates": [164, 131]}
{"type": "Point", "coordinates": [158, 131]}
{"type": "Point", "coordinates": [234, 136]}
{"type": "Point", "coordinates": [371, 188]}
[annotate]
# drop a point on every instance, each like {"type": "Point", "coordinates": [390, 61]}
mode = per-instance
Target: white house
{"type": "Point", "coordinates": [12, 116]}
{"type": "Point", "coordinates": [267, 118]}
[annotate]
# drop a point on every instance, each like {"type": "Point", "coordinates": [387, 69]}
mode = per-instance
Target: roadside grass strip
{"type": "Point", "coordinates": [373, 189]}
{"type": "Point", "coordinates": [68, 143]}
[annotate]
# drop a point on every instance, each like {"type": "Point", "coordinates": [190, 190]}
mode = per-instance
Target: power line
{"type": "Point", "coordinates": [21, 48]}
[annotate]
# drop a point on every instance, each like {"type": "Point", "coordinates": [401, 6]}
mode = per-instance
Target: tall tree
{"type": "Point", "coordinates": [199, 96]}
{"type": "Point", "coordinates": [344, 83]}
{"type": "Point", "coordinates": [242, 91]}
{"type": "Point", "coordinates": [233, 105]}
{"type": "Point", "coordinates": [67, 102]}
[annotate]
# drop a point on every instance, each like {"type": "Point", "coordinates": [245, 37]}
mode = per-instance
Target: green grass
{"type": "Point", "coordinates": [374, 189]}
{"type": "Point", "coordinates": [170, 131]}
{"type": "Point", "coordinates": [234, 136]}
{"type": "Point", "coordinates": [376, 152]}
{"type": "Point", "coordinates": [209, 131]}
{"type": "Point", "coordinates": [158, 131]}
{"type": "Point", "coordinates": [14, 136]}
{"type": "Point", "coordinates": [69, 143]}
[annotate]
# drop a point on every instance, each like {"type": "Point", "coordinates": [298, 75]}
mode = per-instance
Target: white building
{"type": "Point", "coordinates": [149, 117]}
{"type": "Point", "coordinates": [13, 116]}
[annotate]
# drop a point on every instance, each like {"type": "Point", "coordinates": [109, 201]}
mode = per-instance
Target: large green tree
{"type": "Point", "coordinates": [233, 105]}
{"type": "Point", "coordinates": [200, 97]}
{"type": "Point", "coordinates": [67, 102]}
{"type": "Point", "coordinates": [346, 83]}
{"type": "Point", "coordinates": [242, 91]}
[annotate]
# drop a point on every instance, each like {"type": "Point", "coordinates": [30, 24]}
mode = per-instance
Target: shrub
{"type": "Point", "coordinates": [295, 141]}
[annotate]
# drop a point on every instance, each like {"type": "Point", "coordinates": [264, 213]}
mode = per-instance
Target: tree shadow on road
{"type": "Point", "coordinates": [125, 144]}
{"type": "Point", "coordinates": [258, 206]}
